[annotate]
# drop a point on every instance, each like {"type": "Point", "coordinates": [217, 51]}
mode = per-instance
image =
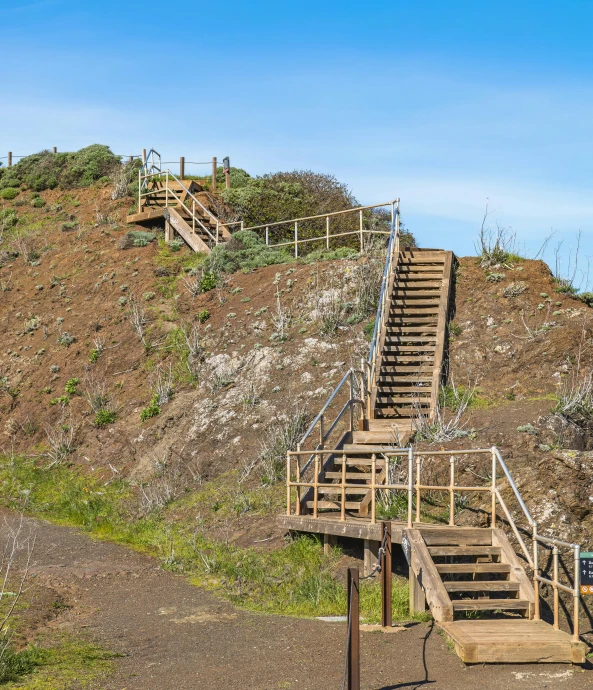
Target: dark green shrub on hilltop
{"type": "Point", "coordinates": [9, 193]}
{"type": "Point", "coordinates": [47, 170]}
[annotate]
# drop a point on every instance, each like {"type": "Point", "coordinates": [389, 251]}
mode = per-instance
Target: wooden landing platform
{"type": "Point", "coordinates": [512, 641]}
{"type": "Point", "coordinates": [361, 528]}
{"type": "Point", "coordinates": [146, 215]}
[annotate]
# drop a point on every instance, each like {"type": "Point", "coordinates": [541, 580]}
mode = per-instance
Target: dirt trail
{"type": "Point", "coordinates": [178, 637]}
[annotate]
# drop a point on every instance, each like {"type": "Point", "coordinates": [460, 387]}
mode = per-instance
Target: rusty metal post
{"type": "Point", "coordinates": [354, 629]}
{"type": "Point", "coordinates": [181, 167]}
{"type": "Point", "coordinates": [386, 606]}
{"type": "Point", "coordinates": [214, 173]}
{"type": "Point", "coordinates": [10, 159]}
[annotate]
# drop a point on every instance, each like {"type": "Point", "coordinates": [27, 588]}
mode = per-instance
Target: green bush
{"type": "Point", "coordinates": [104, 417]}
{"type": "Point", "coordinates": [152, 410]}
{"type": "Point", "coordinates": [285, 195]}
{"type": "Point", "coordinates": [8, 218]}
{"type": "Point", "coordinates": [203, 315]}
{"type": "Point", "coordinates": [9, 193]}
{"type": "Point", "coordinates": [47, 170]}
{"type": "Point", "coordinates": [71, 386]}
{"type": "Point", "coordinates": [208, 282]}
{"type": "Point", "coordinates": [246, 251]}
{"type": "Point", "coordinates": [38, 202]}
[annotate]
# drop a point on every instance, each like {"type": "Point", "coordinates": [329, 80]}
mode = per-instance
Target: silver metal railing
{"type": "Point", "coordinates": [298, 480]}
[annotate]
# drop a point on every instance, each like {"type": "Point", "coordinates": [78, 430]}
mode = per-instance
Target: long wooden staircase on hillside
{"type": "Point", "coordinates": [484, 597]}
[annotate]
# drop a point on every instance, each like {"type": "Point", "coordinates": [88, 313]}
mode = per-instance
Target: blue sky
{"type": "Point", "coordinates": [446, 104]}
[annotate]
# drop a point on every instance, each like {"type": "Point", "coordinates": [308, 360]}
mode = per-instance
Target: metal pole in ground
{"type": "Point", "coordinates": [386, 607]}
{"type": "Point", "coordinates": [354, 630]}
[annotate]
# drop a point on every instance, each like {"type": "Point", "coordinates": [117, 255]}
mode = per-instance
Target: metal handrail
{"type": "Point", "coordinates": [321, 215]}
{"type": "Point", "coordinates": [415, 485]}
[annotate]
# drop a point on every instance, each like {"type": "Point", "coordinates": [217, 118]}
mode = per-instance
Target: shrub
{"type": "Point", "coordinates": [203, 315]}
{"type": "Point", "coordinates": [38, 202]}
{"type": "Point", "coordinates": [47, 170]}
{"type": "Point", "coordinates": [368, 330]}
{"type": "Point", "coordinates": [9, 193]}
{"type": "Point", "coordinates": [71, 386]}
{"type": "Point", "coordinates": [147, 296]}
{"type": "Point", "coordinates": [208, 282]}
{"type": "Point", "coordinates": [515, 289]}
{"type": "Point", "coordinates": [246, 251]}
{"type": "Point", "coordinates": [69, 225]}
{"type": "Point", "coordinates": [104, 416]}
{"type": "Point", "coordinates": [284, 195]}
{"type": "Point", "coordinates": [587, 298]}
{"type": "Point", "coordinates": [152, 410]}
{"type": "Point", "coordinates": [8, 219]}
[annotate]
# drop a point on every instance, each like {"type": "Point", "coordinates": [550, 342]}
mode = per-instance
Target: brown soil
{"type": "Point", "coordinates": [173, 636]}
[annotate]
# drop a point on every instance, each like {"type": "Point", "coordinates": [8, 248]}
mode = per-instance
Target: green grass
{"type": "Point", "coordinates": [56, 663]}
{"type": "Point", "coordinates": [452, 397]}
{"type": "Point", "coordinates": [296, 579]}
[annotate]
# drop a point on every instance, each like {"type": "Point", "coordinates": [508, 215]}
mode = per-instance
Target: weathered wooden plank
{"type": "Point", "coordinates": [428, 577]}
{"type": "Point", "coordinates": [473, 568]}
{"type": "Point", "coordinates": [518, 573]}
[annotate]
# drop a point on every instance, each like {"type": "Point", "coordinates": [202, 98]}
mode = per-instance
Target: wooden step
{"type": "Point", "coordinates": [353, 490]}
{"type": "Point", "coordinates": [367, 476]}
{"type": "Point", "coordinates": [464, 550]}
{"type": "Point", "coordinates": [490, 604]}
{"type": "Point", "coordinates": [393, 329]}
{"type": "Point", "coordinates": [457, 568]}
{"type": "Point", "coordinates": [401, 348]}
{"type": "Point", "coordinates": [412, 390]}
{"type": "Point", "coordinates": [418, 284]}
{"type": "Point", "coordinates": [482, 586]}
{"type": "Point", "coordinates": [389, 400]}
{"type": "Point", "coordinates": [386, 377]}
{"type": "Point", "coordinates": [455, 536]}
{"type": "Point", "coordinates": [420, 310]}
{"type": "Point", "coordinates": [512, 640]}
{"type": "Point", "coordinates": [414, 277]}
{"type": "Point", "coordinates": [335, 505]}
{"type": "Point", "coordinates": [412, 320]}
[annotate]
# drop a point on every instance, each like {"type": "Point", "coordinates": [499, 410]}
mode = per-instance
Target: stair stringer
{"type": "Point", "coordinates": [382, 335]}
{"type": "Point", "coordinates": [427, 576]}
{"type": "Point", "coordinates": [439, 352]}
{"type": "Point", "coordinates": [181, 226]}
{"type": "Point", "coordinates": [508, 555]}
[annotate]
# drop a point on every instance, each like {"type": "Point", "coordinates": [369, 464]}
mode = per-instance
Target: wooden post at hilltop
{"type": "Point", "coordinates": [214, 174]}
{"type": "Point", "coordinates": [182, 167]}
{"type": "Point", "coordinates": [54, 149]}
{"type": "Point", "coordinates": [353, 664]}
{"type": "Point", "coordinates": [386, 608]}
{"type": "Point", "coordinates": [10, 159]}
{"type": "Point", "coordinates": [144, 156]}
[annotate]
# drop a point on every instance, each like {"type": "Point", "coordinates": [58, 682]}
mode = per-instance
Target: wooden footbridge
{"type": "Point", "coordinates": [475, 555]}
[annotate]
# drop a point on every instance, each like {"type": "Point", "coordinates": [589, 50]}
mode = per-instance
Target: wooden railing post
{"type": "Point", "coordinates": [536, 612]}
{"type": "Point", "coordinates": [288, 511]}
{"type": "Point", "coordinates": [182, 167]}
{"type": "Point", "coordinates": [343, 503]}
{"type": "Point", "coordinates": [214, 174]}
{"type": "Point", "coordinates": [9, 164]}
{"type": "Point", "coordinates": [556, 591]}
{"type": "Point", "coordinates": [386, 608]}
{"type": "Point", "coordinates": [267, 236]}
{"type": "Point", "coordinates": [54, 149]}
{"type": "Point", "coordinates": [327, 232]}
{"type": "Point", "coordinates": [351, 401]}
{"type": "Point", "coordinates": [418, 461]}
{"type": "Point", "coordinates": [296, 240]}
{"type": "Point", "coordinates": [361, 233]}
{"type": "Point", "coordinates": [452, 492]}
{"type": "Point", "coordinates": [493, 503]}
{"type": "Point", "coordinates": [316, 486]}
{"type": "Point", "coordinates": [373, 488]}
{"type": "Point", "coordinates": [299, 479]}
{"type": "Point", "coordinates": [144, 156]}
{"type": "Point", "coordinates": [410, 484]}
{"type": "Point", "coordinates": [353, 663]}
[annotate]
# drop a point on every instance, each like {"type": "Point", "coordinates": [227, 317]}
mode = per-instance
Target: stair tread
{"type": "Point", "coordinates": [473, 568]}
{"type": "Point", "coordinates": [349, 490]}
{"type": "Point", "coordinates": [350, 505]}
{"type": "Point", "coordinates": [464, 550]}
{"type": "Point", "coordinates": [489, 604]}
{"type": "Point", "coordinates": [482, 586]}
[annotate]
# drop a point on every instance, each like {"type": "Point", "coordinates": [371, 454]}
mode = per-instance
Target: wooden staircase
{"type": "Point", "coordinates": [184, 207]}
{"type": "Point", "coordinates": [479, 593]}
{"type": "Point", "coordinates": [411, 344]}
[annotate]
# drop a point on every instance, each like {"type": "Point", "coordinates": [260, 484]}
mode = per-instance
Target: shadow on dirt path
{"type": "Point", "coordinates": [175, 636]}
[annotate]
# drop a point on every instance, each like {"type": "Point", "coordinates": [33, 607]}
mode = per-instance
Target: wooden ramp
{"type": "Point", "coordinates": [512, 641]}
